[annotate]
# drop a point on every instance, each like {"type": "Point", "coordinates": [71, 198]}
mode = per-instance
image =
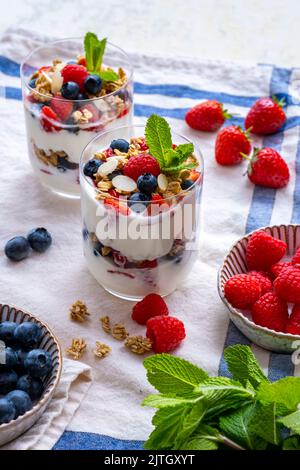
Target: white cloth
{"type": "Point", "coordinates": [47, 284]}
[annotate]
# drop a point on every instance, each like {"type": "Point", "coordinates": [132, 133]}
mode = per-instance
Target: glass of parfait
{"type": "Point", "coordinates": [70, 95]}
{"type": "Point", "coordinates": [140, 213]}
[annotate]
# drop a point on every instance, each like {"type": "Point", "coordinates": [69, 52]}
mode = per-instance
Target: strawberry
{"type": "Point", "coordinates": [277, 268]}
{"type": "Point", "coordinates": [266, 116]}
{"type": "Point", "coordinates": [151, 306]}
{"type": "Point", "coordinates": [270, 311]}
{"type": "Point", "coordinates": [263, 279]}
{"type": "Point", "coordinates": [208, 116]}
{"type": "Point", "coordinates": [47, 116]}
{"type": "Point", "coordinates": [287, 285]}
{"type": "Point", "coordinates": [140, 164]}
{"type": "Point", "coordinates": [117, 206]}
{"type": "Point", "coordinates": [293, 323]}
{"type": "Point", "coordinates": [75, 73]}
{"type": "Point", "coordinates": [166, 333]}
{"type": "Point", "coordinates": [230, 143]}
{"type": "Point", "coordinates": [63, 108]}
{"type": "Point", "coordinates": [268, 168]}
{"type": "Point", "coordinates": [263, 251]}
{"type": "Point", "coordinates": [242, 290]}
{"type": "Point", "coordinates": [296, 257]}
{"type": "Point", "coordinates": [45, 68]}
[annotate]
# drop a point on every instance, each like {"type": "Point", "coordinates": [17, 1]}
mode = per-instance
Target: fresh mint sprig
{"type": "Point", "coordinates": [159, 140]}
{"type": "Point", "coordinates": [94, 52]}
{"type": "Point", "coordinates": [198, 412]}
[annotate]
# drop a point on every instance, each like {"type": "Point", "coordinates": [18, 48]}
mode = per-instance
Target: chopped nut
{"type": "Point", "coordinates": [119, 332]}
{"type": "Point", "coordinates": [104, 185]}
{"type": "Point", "coordinates": [105, 324]}
{"type": "Point", "coordinates": [79, 311]}
{"type": "Point", "coordinates": [138, 344]}
{"type": "Point", "coordinates": [101, 350]}
{"type": "Point", "coordinates": [174, 187]}
{"type": "Point", "coordinates": [77, 348]}
{"type": "Point", "coordinates": [56, 61]}
{"type": "Point", "coordinates": [184, 174]}
{"type": "Point", "coordinates": [105, 250]}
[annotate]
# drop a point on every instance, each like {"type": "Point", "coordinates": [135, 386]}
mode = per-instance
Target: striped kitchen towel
{"type": "Point", "coordinates": [111, 417]}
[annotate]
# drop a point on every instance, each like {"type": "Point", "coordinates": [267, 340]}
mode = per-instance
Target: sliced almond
{"type": "Point", "coordinates": [108, 167]}
{"type": "Point", "coordinates": [124, 183]}
{"type": "Point", "coordinates": [162, 182]}
{"type": "Point", "coordinates": [57, 81]}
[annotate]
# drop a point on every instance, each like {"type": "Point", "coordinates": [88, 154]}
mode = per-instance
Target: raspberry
{"type": "Point", "coordinates": [46, 114]}
{"type": "Point", "coordinates": [287, 285]}
{"type": "Point", "coordinates": [293, 324]}
{"type": "Point", "coordinates": [296, 257]}
{"type": "Point", "coordinates": [277, 268]}
{"type": "Point", "coordinates": [263, 251]}
{"type": "Point", "coordinates": [263, 279]}
{"type": "Point", "coordinates": [151, 306]}
{"type": "Point", "coordinates": [270, 311]}
{"type": "Point", "coordinates": [242, 290]}
{"type": "Point", "coordinates": [74, 73]}
{"type": "Point", "coordinates": [61, 107]}
{"type": "Point", "coordinates": [141, 164]}
{"type": "Point", "coordinates": [166, 333]}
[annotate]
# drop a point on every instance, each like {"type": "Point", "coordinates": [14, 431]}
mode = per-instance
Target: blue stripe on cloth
{"type": "Point", "coordinates": [296, 205]}
{"type": "Point", "coordinates": [280, 365]}
{"type": "Point", "coordinates": [9, 67]}
{"type": "Point", "coordinates": [90, 441]}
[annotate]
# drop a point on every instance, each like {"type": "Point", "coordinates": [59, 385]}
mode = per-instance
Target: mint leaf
{"type": "Point", "coordinates": [170, 374]}
{"type": "Point", "coordinates": [162, 401]}
{"type": "Point", "coordinates": [291, 443]}
{"type": "Point", "coordinates": [263, 423]}
{"type": "Point", "coordinates": [292, 421]}
{"type": "Point", "coordinates": [168, 422]}
{"type": "Point", "coordinates": [90, 40]}
{"type": "Point", "coordinates": [158, 137]}
{"type": "Point", "coordinates": [243, 365]}
{"type": "Point", "coordinates": [99, 53]}
{"type": "Point", "coordinates": [285, 393]}
{"type": "Point", "coordinates": [177, 168]}
{"type": "Point", "coordinates": [190, 423]}
{"type": "Point", "coordinates": [205, 438]}
{"type": "Point", "coordinates": [224, 394]}
{"type": "Point", "coordinates": [108, 75]}
{"type": "Point", "coordinates": [184, 150]}
{"type": "Point", "coordinates": [236, 426]}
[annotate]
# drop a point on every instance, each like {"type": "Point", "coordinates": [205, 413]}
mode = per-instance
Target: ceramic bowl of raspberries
{"type": "Point", "coordinates": [30, 368]}
{"type": "Point", "coordinates": [259, 282]}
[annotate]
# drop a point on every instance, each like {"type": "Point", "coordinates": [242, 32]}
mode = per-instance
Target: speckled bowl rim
{"type": "Point", "coordinates": [48, 394]}
{"type": "Point", "coordinates": [238, 313]}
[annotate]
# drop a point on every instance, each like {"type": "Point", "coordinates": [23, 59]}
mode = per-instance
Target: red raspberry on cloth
{"type": "Point", "coordinates": [242, 290]}
{"type": "Point", "coordinates": [296, 257]}
{"type": "Point", "coordinates": [270, 311]}
{"type": "Point", "coordinates": [293, 324]}
{"type": "Point", "coordinates": [277, 268]}
{"type": "Point", "coordinates": [166, 333]}
{"type": "Point", "coordinates": [74, 73]}
{"type": "Point", "coordinates": [150, 306]}
{"type": "Point", "coordinates": [265, 282]}
{"type": "Point", "coordinates": [263, 251]}
{"type": "Point", "coordinates": [141, 164]}
{"type": "Point", "coordinates": [48, 115]}
{"type": "Point", "coordinates": [287, 285]}
{"type": "Point", "coordinates": [63, 108]}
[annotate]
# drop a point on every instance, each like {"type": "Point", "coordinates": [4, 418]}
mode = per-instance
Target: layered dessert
{"type": "Point", "coordinates": [72, 90]}
{"type": "Point", "coordinates": [140, 195]}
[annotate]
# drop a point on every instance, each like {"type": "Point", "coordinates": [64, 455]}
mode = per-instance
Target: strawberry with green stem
{"type": "Point", "coordinates": [231, 143]}
{"type": "Point", "coordinates": [267, 168]}
{"type": "Point", "coordinates": [266, 116]}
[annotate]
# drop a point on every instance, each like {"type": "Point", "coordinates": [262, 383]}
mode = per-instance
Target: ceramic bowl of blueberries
{"type": "Point", "coordinates": [30, 368]}
{"type": "Point", "coordinates": [235, 263]}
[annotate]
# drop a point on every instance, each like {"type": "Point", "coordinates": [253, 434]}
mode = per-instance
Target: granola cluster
{"type": "Point", "coordinates": [55, 158]}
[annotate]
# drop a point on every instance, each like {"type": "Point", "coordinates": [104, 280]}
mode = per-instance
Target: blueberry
{"type": "Point", "coordinates": [10, 359]}
{"type": "Point", "coordinates": [138, 202]}
{"type": "Point", "coordinates": [186, 184]}
{"type": "Point", "coordinates": [147, 183]}
{"type": "Point", "coordinates": [85, 233]}
{"type": "Point", "coordinates": [81, 97]}
{"type": "Point", "coordinates": [8, 380]}
{"type": "Point", "coordinates": [31, 385]}
{"type": "Point", "coordinates": [21, 401]}
{"type": "Point", "coordinates": [120, 144]}
{"type": "Point", "coordinates": [93, 84]}
{"type": "Point", "coordinates": [38, 363]}
{"type": "Point", "coordinates": [17, 248]}
{"type": "Point", "coordinates": [39, 239]}
{"type": "Point", "coordinates": [21, 356]}
{"type": "Point", "coordinates": [72, 62]}
{"type": "Point", "coordinates": [7, 411]}
{"type": "Point", "coordinates": [32, 83]}
{"type": "Point", "coordinates": [114, 173]}
{"type": "Point", "coordinates": [70, 90]}
{"type": "Point", "coordinates": [97, 248]}
{"type": "Point", "coordinates": [28, 335]}
{"type": "Point", "coordinates": [7, 330]}
{"type": "Point", "coordinates": [91, 167]}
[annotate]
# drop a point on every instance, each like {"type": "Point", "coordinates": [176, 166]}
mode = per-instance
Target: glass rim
{"type": "Point", "coordinates": [103, 134]}
{"type": "Point", "coordinates": [52, 43]}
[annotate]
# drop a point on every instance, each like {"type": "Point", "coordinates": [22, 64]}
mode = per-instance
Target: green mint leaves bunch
{"type": "Point", "coordinates": [159, 140]}
{"type": "Point", "coordinates": [94, 52]}
{"type": "Point", "coordinates": [198, 412]}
